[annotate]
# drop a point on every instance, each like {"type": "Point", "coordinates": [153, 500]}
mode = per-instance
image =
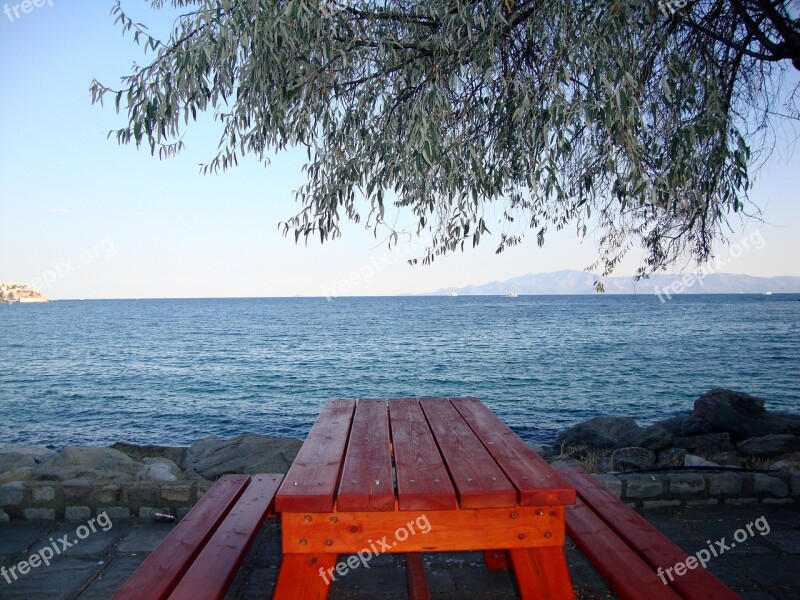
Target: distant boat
{"type": "Point", "coordinates": [768, 293]}
{"type": "Point", "coordinates": [453, 294]}
{"type": "Point", "coordinates": [513, 295]}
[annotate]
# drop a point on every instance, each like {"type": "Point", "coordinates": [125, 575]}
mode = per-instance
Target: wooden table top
{"type": "Point", "coordinates": [416, 454]}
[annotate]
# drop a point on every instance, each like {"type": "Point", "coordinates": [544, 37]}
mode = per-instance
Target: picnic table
{"type": "Point", "coordinates": [415, 476]}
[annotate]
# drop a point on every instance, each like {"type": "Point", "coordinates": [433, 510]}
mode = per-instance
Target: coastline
{"type": "Point", "coordinates": [729, 450]}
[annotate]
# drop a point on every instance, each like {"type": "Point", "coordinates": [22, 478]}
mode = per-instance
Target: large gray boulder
{"type": "Point", "coordinates": [704, 445]}
{"type": "Point", "coordinates": [75, 462]}
{"type": "Point", "coordinates": [13, 460]}
{"type": "Point", "coordinates": [742, 415]}
{"type": "Point", "coordinates": [159, 469]}
{"type": "Point", "coordinates": [690, 460]}
{"type": "Point", "coordinates": [769, 445]}
{"type": "Point", "coordinates": [138, 452]}
{"type": "Point", "coordinates": [653, 438]}
{"type": "Point", "coordinates": [672, 457]}
{"type": "Point", "coordinates": [40, 454]}
{"type": "Point", "coordinates": [248, 453]}
{"type": "Point", "coordinates": [785, 465]}
{"type": "Point", "coordinates": [600, 433]}
{"type": "Point", "coordinates": [18, 474]}
{"type": "Point", "coordinates": [632, 459]}
{"type": "Point", "coordinates": [685, 426]}
{"type": "Point", "coordinates": [55, 473]}
{"type": "Point", "coordinates": [91, 458]}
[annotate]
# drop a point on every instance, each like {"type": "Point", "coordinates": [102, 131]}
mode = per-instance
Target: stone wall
{"type": "Point", "coordinates": [688, 488]}
{"type": "Point", "coordinates": [128, 480]}
{"type": "Point", "coordinates": [79, 499]}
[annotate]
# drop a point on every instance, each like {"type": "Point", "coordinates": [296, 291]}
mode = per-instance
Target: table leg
{"type": "Point", "coordinates": [415, 575]}
{"type": "Point", "coordinates": [542, 573]}
{"type": "Point", "coordinates": [305, 576]}
{"type": "Point", "coordinates": [496, 560]}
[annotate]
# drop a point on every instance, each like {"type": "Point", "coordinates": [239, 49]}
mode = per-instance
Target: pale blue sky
{"type": "Point", "coordinates": [90, 219]}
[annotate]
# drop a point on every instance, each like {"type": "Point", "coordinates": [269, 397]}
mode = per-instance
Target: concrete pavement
{"type": "Point", "coordinates": [760, 568]}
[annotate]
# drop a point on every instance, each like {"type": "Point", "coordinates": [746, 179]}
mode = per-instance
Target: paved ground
{"type": "Point", "coordinates": [760, 568]}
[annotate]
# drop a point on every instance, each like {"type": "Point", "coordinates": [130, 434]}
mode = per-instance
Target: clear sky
{"type": "Point", "coordinates": [87, 218]}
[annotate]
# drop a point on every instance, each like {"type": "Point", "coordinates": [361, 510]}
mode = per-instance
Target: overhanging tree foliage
{"type": "Point", "coordinates": [628, 117]}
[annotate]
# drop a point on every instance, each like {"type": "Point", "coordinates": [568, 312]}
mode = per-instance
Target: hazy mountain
{"type": "Point", "coordinates": [580, 282]}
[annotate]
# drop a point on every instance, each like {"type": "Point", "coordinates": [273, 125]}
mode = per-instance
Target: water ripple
{"type": "Point", "coordinates": [172, 371]}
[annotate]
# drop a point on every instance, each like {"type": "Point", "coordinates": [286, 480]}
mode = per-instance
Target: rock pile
{"type": "Point", "coordinates": [203, 461]}
{"type": "Point", "coordinates": [726, 428]}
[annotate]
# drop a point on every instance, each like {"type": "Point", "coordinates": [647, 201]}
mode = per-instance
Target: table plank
{"type": "Point", "coordinates": [422, 479]}
{"type": "Point", "coordinates": [366, 482]}
{"type": "Point", "coordinates": [536, 481]}
{"type": "Point", "coordinates": [312, 480]}
{"type": "Point", "coordinates": [479, 481]}
{"type": "Point", "coordinates": [400, 531]}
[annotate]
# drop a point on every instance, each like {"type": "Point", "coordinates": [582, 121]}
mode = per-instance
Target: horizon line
{"type": "Point", "coordinates": [405, 295]}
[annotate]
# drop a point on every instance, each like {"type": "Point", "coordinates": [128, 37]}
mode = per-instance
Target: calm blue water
{"type": "Point", "coordinates": [172, 371]}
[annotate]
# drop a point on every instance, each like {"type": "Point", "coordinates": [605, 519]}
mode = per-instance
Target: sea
{"type": "Point", "coordinates": [174, 371]}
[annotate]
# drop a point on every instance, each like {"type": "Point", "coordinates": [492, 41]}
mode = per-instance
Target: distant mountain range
{"type": "Point", "coordinates": [581, 282]}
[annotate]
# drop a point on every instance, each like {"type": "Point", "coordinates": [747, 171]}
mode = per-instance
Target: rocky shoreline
{"type": "Point", "coordinates": [128, 479]}
{"type": "Point", "coordinates": [725, 429]}
{"type": "Point", "coordinates": [729, 449]}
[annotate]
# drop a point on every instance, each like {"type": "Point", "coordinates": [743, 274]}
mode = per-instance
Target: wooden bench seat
{"type": "Point", "coordinates": [628, 551]}
{"type": "Point", "coordinates": [201, 555]}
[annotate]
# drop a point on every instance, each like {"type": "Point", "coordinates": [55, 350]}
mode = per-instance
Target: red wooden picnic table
{"type": "Point", "coordinates": [411, 476]}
